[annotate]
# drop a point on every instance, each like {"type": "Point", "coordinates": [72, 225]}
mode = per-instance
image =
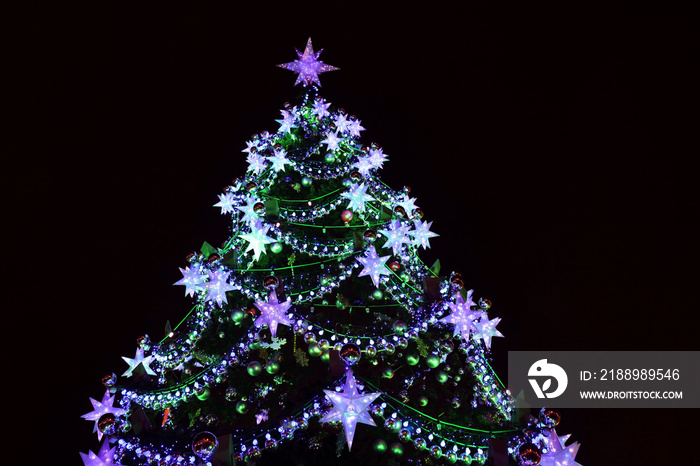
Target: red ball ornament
{"type": "Point", "coordinates": [259, 208]}
{"type": "Point", "coordinates": [346, 216]}
{"type": "Point", "coordinates": [395, 266]}
{"type": "Point", "coordinates": [529, 455]}
{"type": "Point", "coordinates": [356, 176]}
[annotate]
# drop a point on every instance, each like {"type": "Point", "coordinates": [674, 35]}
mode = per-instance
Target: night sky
{"type": "Point", "coordinates": [544, 143]}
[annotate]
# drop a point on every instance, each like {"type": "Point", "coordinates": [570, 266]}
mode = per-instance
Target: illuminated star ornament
{"type": "Point", "coordinates": [358, 196]}
{"type": "Point", "coordinates": [104, 457]}
{"type": "Point", "coordinates": [375, 266]}
{"type": "Point", "coordinates": [409, 205]}
{"type": "Point", "coordinates": [145, 361]}
{"type": "Point", "coordinates": [422, 233]}
{"type": "Point", "coordinates": [331, 141]}
{"type": "Point", "coordinates": [226, 202]}
{"type": "Point", "coordinates": [463, 316]}
{"type": "Point", "coordinates": [217, 286]}
{"type": "Point", "coordinates": [279, 160]}
{"type": "Point", "coordinates": [321, 107]}
{"type": "Point", "coordinates": [350, 407]}
{"type": "Point", "coordinates": [101, 408]}
{"type": "Point", "coordinates": [273, 313]}
{"type": "Point", "coordinates": [308, 66]}
{"type": "Point", "coordinates": [287, 121]}
{"type": "Point", "coordinates": [485, 329]}
{"type": "Point", "coordinates": [249, 214]}
{"type": "Point", "coordinates": [257, 239]}
{"type": "Point", "coordinates": [192, 279]}
{"type": "Point", "coordinates": [396, 236]}
{"type": "Point", "coordinates": [558, 454]}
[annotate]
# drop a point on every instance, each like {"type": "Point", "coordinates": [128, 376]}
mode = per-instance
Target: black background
{"type": "Point", "coordinates": [544, 142]}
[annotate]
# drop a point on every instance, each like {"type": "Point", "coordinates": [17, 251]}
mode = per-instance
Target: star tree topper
{"type": "Point", "coordinates": [273, 313]}
{"type": "Point", "coordinates": [308, 66]}
{"type": "Point", "coordinates": [350, 407]}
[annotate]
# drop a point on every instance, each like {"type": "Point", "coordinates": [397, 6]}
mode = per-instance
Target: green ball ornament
{"type": "Point", "coordinates": [323, 344]}
{"type": "Point", "coordinates": [306, 181]}
{"type": "Point", "coordinates": [379, 446]}
{"type": "Point", "coordinates": [276, 247]}
{"type": "Point", "coordinates": [451, 457]}
{"type": "Point", "coordinates": [371, 351]}
{"type": "Point", "coordinates": [330, 158]}
{"type": "Point", "coordinates": [204, 394]}
{"type": "Point", "coordinates": [237, 316]}
{"type": "Point", "coordinates": [241, 407]}
{"type": "Point", "coordinates": [378, 294]}
{"type": "Point", "coordinates": [442, 376]}
{"type": "Point", "coordinates": [412, 359]}
{"type": "Point", "coordinates": [314, 350]}
{"type": "Point", "coordinates": [436, 451]}
{"type": "Point", "coordinates": [326, 356]}
{"type": "Point", "coordinates": [347, 182]}
{"type": "Point", "coordinates": [433, 360]}
{"type": "Point", "coordinates": [423, 401]}
{"type": "Point", "coordinates": [387, 373]}
{"type": "Point", "coordinates": [419, 443]}
{"type": "Point", "coordinates": [272, 367]}
{"type": "Point", "coordinates": [254, 368]}
{"type": "Point", "coordinates": [296, 186]}
{"type": "Point", "coordinates": [400, 327]}
{"type": "Point", "coordinates": [396, 449]}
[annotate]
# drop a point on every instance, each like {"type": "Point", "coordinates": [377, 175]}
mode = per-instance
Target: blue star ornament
{"type": "Point", "coordinates": [559, 454]}
{"type": "Point", "coordinates": [421, 234]}
{"type": "Point", "coordinates": [308, 66]}
{"type": "Point", "coordinates": [139, 358]}
{"type": "Point", "coordinates": [486, 329]}
{"type": "Point", "coordinates": [257, 238]}
{"type": "Point", "coordinates": [396, 236]}
{"type": "Point", "coordinates": [104, 457]}
{"type": "Point", "coordinates": [100, 408]}
{"type": "Point", "coordinates": [279, 160]}
{"type": "Point", "coordinates": [357, 196]}
{"type": "Point", "coordinates": [375, 266]}
{"type": "Point", "coordinates": [226, 202]}
{"type": "Point", "coordinates": [192, 279]}
{"type": "Point", "coordinates": [218, 286]}
{"type": "Point", "coordinates": [350, 407]}
{"type": "Point", "coordinates": [463, 316]}
{"type": "Point", "coordinates": [273, 313]}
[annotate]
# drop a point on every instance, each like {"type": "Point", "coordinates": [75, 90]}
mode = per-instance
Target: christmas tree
{"type": "Point", "coordinates": [317, 334]}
